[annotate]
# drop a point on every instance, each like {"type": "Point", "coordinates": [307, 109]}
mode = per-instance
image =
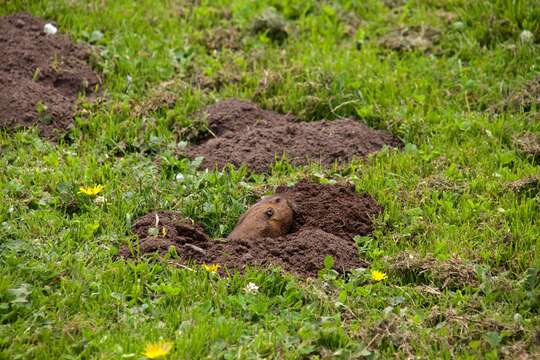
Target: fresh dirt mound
{"type": "Point", "coordinates": [40, 76]}
{"type": "Point", "coordinates": [302, 252]}
{"type": "Point", "coordinates": [234, 116]}
{"type": "Point", "coordinates": [338, 210]}
{"type": "Point", "coordinates": [244, 134]}
{"type": "Point", "coordinates": [165, 229]}
{"type": "Point", "coordinates": [337, 214]}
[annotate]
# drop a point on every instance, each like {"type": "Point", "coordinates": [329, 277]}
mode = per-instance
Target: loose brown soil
{"type": "Point", "coordinates": [40, 76]}
{"type": "Point", "coordinates": [245, 134]}
{"type": "Point", "coordinates": [326, 219]}
{"type": "Point", "coordinates": [338, 210]}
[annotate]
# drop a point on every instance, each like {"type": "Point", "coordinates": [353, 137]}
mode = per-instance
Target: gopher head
{"type": "Point", "coordinates": [272, 217]}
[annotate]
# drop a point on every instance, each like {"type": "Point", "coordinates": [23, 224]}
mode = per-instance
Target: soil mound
{"type": "Point", "coordinates": [235, 115]}
{"type": "Point", "coordinates": [337, 213]}
{"type": "Point", "coordinates": [247, 135]}
{"type": "Point", "coordinates": [302, 252]}
{"type": "Point", "coordinates": [40, 76]}
{"type": "Point", "coordinates": [338, 210]}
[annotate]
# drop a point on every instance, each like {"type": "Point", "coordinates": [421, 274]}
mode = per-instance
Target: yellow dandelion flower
{"type": "Point", "coordinates": [157, 349]}
{"type": "Point", "coordinates": [91, 190]}
{"type": "Point", "coordinates": [212, 268]}
{"type": "Point", "coordinates": [378, 275]}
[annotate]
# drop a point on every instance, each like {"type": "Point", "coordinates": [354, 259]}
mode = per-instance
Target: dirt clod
{"type": "Point", "coordinates": [247, 135]}
{"type": "Point", "coordinates": [341, 214]}
{"type": "Point", "coordinates": [407, 38]}
{"type": "Point", "coordinates": [40, 76]}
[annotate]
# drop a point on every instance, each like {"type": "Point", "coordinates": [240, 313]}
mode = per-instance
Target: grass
{"type": "Point", "coordinates": [63, 295]}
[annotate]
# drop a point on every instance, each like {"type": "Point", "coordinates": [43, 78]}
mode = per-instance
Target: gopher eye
{"type": "Point", "coordinates": [269, 212]}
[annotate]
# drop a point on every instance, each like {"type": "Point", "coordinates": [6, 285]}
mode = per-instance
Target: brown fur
{"type": "Point", "coordinates": [270, 217]}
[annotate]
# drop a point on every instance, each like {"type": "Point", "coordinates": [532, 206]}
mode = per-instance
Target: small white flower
{"type": "Point", "coordinates": [50, 29]}
{"type": "Point", "coordinates": [526, 37]}
{"type": "Point", "coordinates": [129, 79]}
{"type": "Point", "coordinates": [100, 200]}
{"type": "Point", "coordinates": [179, 177]}
{"type": "Point", "coordinates": [251, 288]}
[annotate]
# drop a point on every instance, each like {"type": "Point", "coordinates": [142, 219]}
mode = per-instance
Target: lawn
{"type": "Point", "coordinates": [459, 237]}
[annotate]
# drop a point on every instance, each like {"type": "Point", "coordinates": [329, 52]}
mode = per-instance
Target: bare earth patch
{"type": "Point", "coordinates": [245, 134]}
{"type": "Point", "coordinates": [326, 218]}
{"type": "Point", "coordinates": [40, 76]}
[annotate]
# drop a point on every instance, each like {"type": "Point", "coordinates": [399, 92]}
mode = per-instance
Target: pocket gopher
{"type": "Point", "coordinates": [272, 217]}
